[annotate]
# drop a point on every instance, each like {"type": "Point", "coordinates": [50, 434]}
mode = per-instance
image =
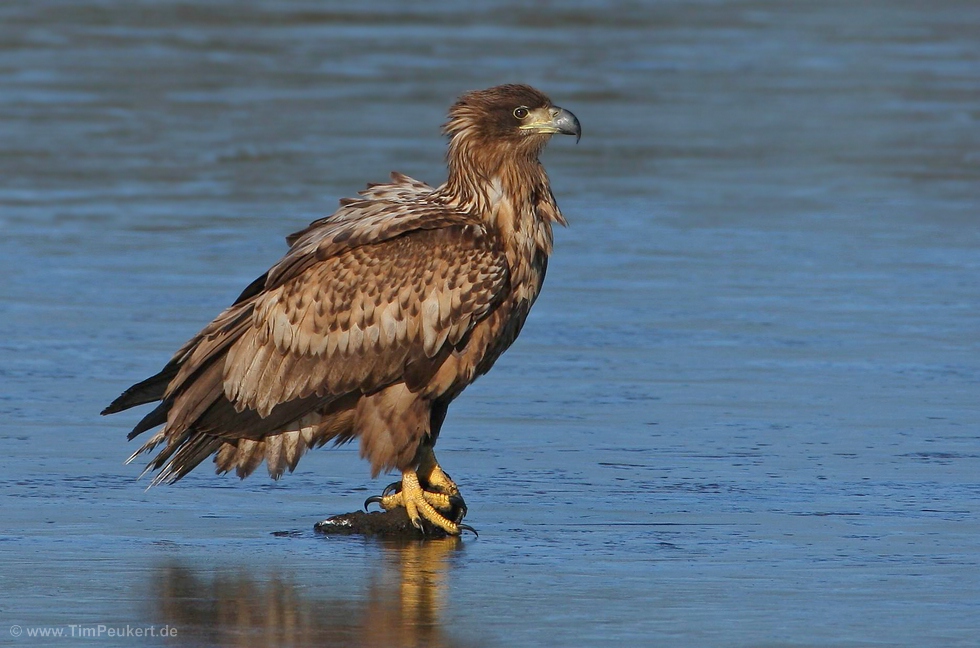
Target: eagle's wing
{"type": "Point", "coordinates": [377, 293]}
{"type": "Point", "coordinates": [355, 319]}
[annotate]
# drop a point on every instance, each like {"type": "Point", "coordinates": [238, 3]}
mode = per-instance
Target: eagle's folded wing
{"type": "Point", "coordinates": [347, 309]}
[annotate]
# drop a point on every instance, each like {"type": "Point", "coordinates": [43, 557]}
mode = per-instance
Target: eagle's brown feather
{"type": "Point", "coordinates": [354, 320]}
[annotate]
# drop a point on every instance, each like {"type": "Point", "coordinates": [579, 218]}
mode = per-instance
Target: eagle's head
{"type": "Point", "coordinates": [513, 118]}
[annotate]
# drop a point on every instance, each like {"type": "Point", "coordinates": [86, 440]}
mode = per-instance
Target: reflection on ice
{"type": "Point", "coordinates": [402, 603]}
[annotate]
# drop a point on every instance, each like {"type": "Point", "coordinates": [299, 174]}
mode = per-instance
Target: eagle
{"type": "Point", "coordinates": [375, 319]}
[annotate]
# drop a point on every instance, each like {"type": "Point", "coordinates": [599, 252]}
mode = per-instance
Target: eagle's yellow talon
{"type": "Point", "coordinates": [420, 503]}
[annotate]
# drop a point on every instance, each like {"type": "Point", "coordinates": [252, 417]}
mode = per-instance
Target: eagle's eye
{"type": "Point", "coordinates": [521, 112]}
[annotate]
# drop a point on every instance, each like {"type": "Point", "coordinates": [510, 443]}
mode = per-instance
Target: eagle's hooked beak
{"type": "Point", "coordinates": [556, 120]}
{"type": "Point", "coordinates": [567, 123]}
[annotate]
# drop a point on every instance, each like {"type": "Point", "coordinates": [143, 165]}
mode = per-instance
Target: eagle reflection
{"type": "Point", "coordinates": [400, 606]}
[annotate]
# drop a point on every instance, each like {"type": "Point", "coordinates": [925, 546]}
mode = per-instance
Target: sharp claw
{"type": "Point", "coordinates": [467, 527]}
{"type": "Point", "coordinates": [417, 523]}
{"type": "Point", "coordinates": [393, 487]}
{"type": "Point", "coordinates": [374, 499]}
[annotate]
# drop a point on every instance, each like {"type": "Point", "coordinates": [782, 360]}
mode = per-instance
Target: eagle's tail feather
{"type": "Point", "coordinates": [146, 391]}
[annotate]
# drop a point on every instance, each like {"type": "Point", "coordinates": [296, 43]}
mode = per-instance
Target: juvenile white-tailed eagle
{"type": "Point", "coordinates": [376, 318]}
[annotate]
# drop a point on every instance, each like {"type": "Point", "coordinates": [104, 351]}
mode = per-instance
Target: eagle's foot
{"type": "Point", "coordinates": [434, 482]}
{"type": "Point", "coordinates": [439, 495]}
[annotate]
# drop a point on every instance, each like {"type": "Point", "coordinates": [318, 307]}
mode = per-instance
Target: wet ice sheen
{"type": "Point", "coordinates": [743, 412]}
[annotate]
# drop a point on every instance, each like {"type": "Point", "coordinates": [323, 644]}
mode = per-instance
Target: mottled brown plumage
{"type": "Point", "coordinates": [378, 316]}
